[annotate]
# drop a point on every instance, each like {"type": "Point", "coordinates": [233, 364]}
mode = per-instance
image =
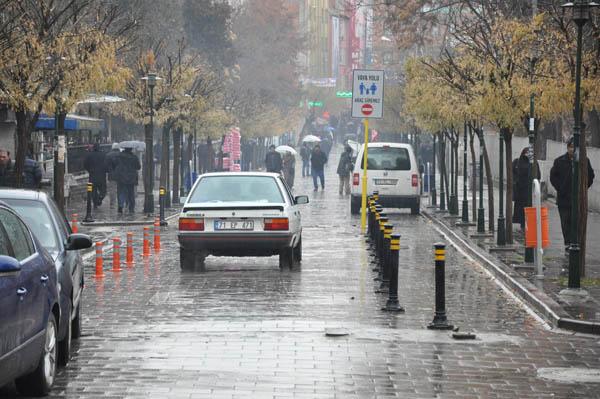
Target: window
{"type": "Point", "coordinates": [215, 189]}
{"type": "Point", "coordinates": [4, 247]}
{"type": "Point", "coordinates": [17, 234]}
{"type": "Point", "coordinates": [38, 218]}
{"type": "Point", "coordinates": [388, 158]}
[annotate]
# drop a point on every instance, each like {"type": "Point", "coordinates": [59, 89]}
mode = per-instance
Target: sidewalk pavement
{"type": "Point", "coordinates": [545, 293]}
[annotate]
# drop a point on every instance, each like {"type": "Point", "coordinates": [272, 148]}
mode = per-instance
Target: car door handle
{"type": "Point", "coordinates": [21, 291]}
{"type": "Point", "coordinates": [44, 278]}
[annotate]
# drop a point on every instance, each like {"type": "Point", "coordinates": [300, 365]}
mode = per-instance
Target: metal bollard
{"type": "Point", "coordinates": [385, 264]}
{"type": "Point", "coordinates": [157, 235]}
{"type": "Point", "coordinates": [116, 254]}
{"type": "Point", "coordinates": [99, 261]}
{"type": "Point", "coordinates": [440, 322]}
{"type": "Point", "coordinates": [379, 257]}
{"type": "Point", "coordinates": [74, 227]}
{"type": "Point", "coordinates": [375, 230]}
{"type": "Point", "coordinates": [392, 304]}
{"type": "Point", "coordinates": [146, 244]}
{"type": "Point", "coordinates": [369, 218]}
{"type": "Point", "coordinates": [88, 210]}
{"type": "Point", "coordinates": [129, 254]}
{"type": "Point", "coordinates": [376, 195]}
{"type": "Point", "coordinates": [161, 202]}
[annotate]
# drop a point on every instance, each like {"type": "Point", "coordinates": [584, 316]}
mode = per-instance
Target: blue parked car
{"type": "Point", "coordinates": [51, 228]}
{"type": "Point", "coordinates": [29, 308]}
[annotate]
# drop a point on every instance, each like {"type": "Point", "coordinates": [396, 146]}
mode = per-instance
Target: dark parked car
{"type": "Point", "coordinates": [29, 308]}
{"type": "Point", "coordinates": [51, 228]}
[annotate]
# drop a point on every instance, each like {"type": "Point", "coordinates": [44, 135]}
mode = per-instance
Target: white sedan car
{"type": "Point", "coordinates": [240, 214]}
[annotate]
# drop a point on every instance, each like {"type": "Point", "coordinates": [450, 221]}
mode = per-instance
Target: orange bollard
{"type": "Point", "coordinates": [116, 254]}
{"type": "Point", "coordinates": [129, 255]}
{"type": "Point", "coordinates": [74, 226]}
{"type": "Point", "coordinates": [146, 250]}
{"type": "Point", "coordinates": [99, 260]}
{"type": "Point", "coordinates": [157, 235]}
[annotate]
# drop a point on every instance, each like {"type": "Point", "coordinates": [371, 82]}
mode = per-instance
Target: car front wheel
{"type": "Point", "coordinates": [64, 346]}
{"type": "Point", "coordinates": [76, 328]}
{"type": "Point", "coordinates": [39, 382]}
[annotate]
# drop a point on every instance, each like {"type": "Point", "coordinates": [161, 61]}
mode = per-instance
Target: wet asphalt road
{"type": "Point", "coordinates": [245, 329]}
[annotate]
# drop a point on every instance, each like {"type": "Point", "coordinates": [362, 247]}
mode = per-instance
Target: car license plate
{"type": "Point", "coordinates": [386, 182]}
{"type": "Point", "coordinates": [238, 224]}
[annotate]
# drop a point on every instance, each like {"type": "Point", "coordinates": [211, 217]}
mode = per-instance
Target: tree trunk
{"type": "Point", "coordinates": [176, 162]}
{"type": "Point", "coordinates": [164, 158]}
{"type": "Point", "coordinates": [148, 172]}
{"type": "Point", "coordinates": [473, 173]}
{"type": "Point", "coordinates": [21, 147]}
{"type": "Point", "coordinates": [444, 171]}
{"type": "Point", "coordinates": [583, 198]}
{"type": "Point", "coordinates": [59, 161]}
{"type": "Point", "coordinates": [509, 186]}
{"type": "Point", "coordinates": [490, 184]}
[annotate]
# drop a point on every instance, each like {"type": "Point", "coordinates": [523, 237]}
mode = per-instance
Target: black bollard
{"type": "Point", "coordinates": [379, 247]}
{"type": "Point", "coordinates": [88, 210]}
{"type": "Point", "coordinates": [369, 218]}
{"type": "Point", "coordinates": [375, 229]}
{"type": "Point", "coordinates": [440, 322]}
{"type": "Point", "coordinates": [385, 264]}
{"type": "Point", "coordinates": [392, 304]}
{"type": "Point", "coordinates": [161, 202]}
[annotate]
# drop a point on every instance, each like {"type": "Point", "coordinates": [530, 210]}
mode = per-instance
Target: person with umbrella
{"type": "Point", "coordinates": [273, 161]}
{"type": "Point", "coordinates": [289, 168]}
{"type": "Point", "coordinates": [305, 155]}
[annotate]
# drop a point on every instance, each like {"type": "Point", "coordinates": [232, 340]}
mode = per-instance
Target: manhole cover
{"type": "Point", "coordinates": [570, 374]}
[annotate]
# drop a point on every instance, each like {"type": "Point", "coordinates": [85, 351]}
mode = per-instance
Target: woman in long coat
{"type": "Point", "coordinates": [520, 185]}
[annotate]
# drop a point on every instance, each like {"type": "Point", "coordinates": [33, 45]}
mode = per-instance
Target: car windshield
{"type": "Point", "coordinates": [38, 218]}
{"type": "Point", "coordinates": [262, 189]}
{"type": "Point", "coordinates": [388, 158]}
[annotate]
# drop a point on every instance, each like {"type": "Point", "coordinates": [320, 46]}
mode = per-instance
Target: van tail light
{"type": "Point", "coordinates": [355, 179]}
{"type": "Point", "coordinates": [277, 224]}
{"type": "Point", "coordinates": [415, 180]}
{"type": "Point", "coordinates": [191, 224]}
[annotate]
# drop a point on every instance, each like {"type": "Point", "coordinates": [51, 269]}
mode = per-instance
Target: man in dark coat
{"type": "Point", "coordinates": [32, 173]}
{"type": "Point", "coordinates": [273, 161]}
{"type": "Point", "coordinates": [560, 177]}
{"type": "Point", "coordinates": [94, 164]}
{"type": "Point", "coordinates": [126, 174]}
{"type": "Point", "coordinates": [305, 155]}
{"type": "Point", "coordinates": [110, 164]}
{"type": "Point", "coordinates": [7, 169]}
{"type": "Point", "coordinates": [520, 185]}
{"type": "Point", "coordinates": [344, 170]}
{"type": "Point", "coordinates": [318, 159]}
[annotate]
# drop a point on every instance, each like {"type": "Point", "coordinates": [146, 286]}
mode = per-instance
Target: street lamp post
{"type": "Point", "coordinates": [501, 236]}
{"type": "Point", "coordinates": [151, 80]}
{"type": "Point", "coordinates": [481, 210]}
{"type": "Point", "coordinates": [432, 188]}
{"type": "Point", "coordinates": [465, 201]}
{"type": "Point", "coordinates": [581, 14]}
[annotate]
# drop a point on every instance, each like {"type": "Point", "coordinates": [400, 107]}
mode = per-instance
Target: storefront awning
{"type": "Point", "coordinates": [72, 123]}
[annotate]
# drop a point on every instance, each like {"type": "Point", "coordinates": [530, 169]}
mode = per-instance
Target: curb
{"type": "Point", "coordinates": [536, 299]}
{"type": "Point", "coordinates": [90, 253]}
{"type": "Point", "coordinates": [126, 223]}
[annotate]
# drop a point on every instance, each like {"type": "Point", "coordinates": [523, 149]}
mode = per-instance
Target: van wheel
{"type": "Point", "coordinates": [354, 206]}
{"type": "Point", "coordinates": [39, 382]}
{"type": "Point", "coordinates": [416, 208]}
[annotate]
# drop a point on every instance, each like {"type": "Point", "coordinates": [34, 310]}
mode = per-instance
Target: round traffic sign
{"type": "Point", "coordinates": [366, 109]}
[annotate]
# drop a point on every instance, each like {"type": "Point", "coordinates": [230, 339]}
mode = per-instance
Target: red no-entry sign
{"type": "Point", "coordinates": [366, 109]}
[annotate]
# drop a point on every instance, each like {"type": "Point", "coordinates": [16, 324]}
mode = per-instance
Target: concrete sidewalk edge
{"type": "Point", "coordinates": [541, 303]}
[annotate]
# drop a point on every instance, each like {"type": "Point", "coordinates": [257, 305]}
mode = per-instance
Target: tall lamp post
{"type": "Point", "coordinates": [465, 200]}
{"type": "Point", "coordinates": [151, 80]}
{"type": "Point", "coordinates": [581, 14]}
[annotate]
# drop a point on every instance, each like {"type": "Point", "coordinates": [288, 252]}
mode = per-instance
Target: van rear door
{"type": "Point", "coordinates": [389, 170]}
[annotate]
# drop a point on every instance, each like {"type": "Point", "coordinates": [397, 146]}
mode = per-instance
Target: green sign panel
{"type": "Point", "coordinates": [344, 94]}
{"type": "Point", "coordinates": [317, 104]}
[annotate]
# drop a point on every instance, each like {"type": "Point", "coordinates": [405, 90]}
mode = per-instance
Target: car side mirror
{"type": "Point", "coordinates": [301, 200]}
{"type": "Point", "coordinates": [9, 265]}
{"type": "Point", "coordinates": [78, 241]}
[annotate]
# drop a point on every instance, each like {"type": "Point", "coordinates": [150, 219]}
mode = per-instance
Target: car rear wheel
{"type": "Point", "coordinates": [190, 260]}
{"type": "Point", "coordinates": [354, 206]}
{"type": "Point", "coordinates": [39, 382]}
{"type": "Point", "coordinates": [286, 258]}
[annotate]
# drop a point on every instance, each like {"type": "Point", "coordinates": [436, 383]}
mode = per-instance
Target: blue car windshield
{"type": "Point", "coordinates": [261, 189]}
{"type": "Point", "coordinates": [38, 218]}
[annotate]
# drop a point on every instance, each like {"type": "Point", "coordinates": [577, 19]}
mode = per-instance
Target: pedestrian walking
{"type": "Point", "coordinates": [520, 186]}
{"type": "Point", "coordinates": [344, 170]}
{"type": "Point", "coordinates": [32, 172]}
{"type": "Point", "coordinates": [126, 174]}
{"type": "Point", "coordinates": [110, 164]}
{"type": "Point", "coordinates": [560, 177]}
{"type": "Point", "coordinates": [318, 159]}
{"type": "Point", "coordinates": [95, 166]}
{"type": "Point", "coordinates": [289, 169]}
{"type": "Point", "coordinates": [7, 169]}
{"type": "Point", "coordinates": [273, 161]}
{"type": "Point", "coordinates": [305, 155]}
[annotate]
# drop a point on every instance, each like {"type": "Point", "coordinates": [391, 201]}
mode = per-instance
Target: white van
{"type": "Point", "coordinates": [393, 172]}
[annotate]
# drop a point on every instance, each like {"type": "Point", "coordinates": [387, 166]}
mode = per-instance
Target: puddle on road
{"type": "Point", "coordinates": [570, 375]}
